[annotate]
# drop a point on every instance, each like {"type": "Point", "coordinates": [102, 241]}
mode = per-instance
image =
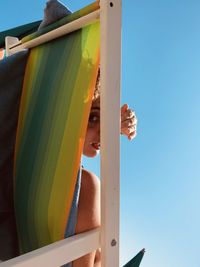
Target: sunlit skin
{"type": "Point", "coordinates": [128, 122]}
{"type": "Point", "coordinates": [92, 140]}
{"type": "Point", "coordinates": [89, 202]}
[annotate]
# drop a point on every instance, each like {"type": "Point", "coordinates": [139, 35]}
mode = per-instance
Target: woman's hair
{"type": "Point", "coordinates": [97, 86]}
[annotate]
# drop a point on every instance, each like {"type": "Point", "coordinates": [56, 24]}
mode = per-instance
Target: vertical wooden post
{"type": "Point", "coordinates": [110, 61]}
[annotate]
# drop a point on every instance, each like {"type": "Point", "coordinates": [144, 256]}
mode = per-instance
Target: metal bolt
{"type": "Point", "coordinates": [113, 243]}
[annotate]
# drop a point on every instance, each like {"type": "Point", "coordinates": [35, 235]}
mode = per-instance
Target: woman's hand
{"type": "Point", "coordinates": [128, 122]}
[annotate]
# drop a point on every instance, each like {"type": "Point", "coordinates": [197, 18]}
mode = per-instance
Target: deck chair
{"type": "Point", "coordinates": [54, 106]}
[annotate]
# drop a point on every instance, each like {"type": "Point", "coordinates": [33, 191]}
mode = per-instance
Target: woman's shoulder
{"type": "Point", "coordinates": [89, 177]}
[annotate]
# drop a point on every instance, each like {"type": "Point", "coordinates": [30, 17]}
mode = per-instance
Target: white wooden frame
{"type": "Point", "coordinates": [107, 237]}
{"type": "Point", "coordinates": [110, 23]}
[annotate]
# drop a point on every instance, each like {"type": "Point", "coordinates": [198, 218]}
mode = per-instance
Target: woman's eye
{"type": "Point", "coordinates": [93, 118]}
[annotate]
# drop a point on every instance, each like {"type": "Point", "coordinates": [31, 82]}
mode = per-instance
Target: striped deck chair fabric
{"type": "Point", "coordinates": [58, 88]}
{"type": "Point", "coordinates": [57, 91]}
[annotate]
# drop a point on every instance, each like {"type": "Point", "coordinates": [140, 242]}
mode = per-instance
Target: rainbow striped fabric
{"type": "Point", "coordinates": [57, 93]}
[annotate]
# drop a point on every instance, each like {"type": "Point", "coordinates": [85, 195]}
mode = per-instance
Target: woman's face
{"type": "Point", "coordinates": [92, 139]}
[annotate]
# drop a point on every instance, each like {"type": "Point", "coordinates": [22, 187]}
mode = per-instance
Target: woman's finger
{"type": "Point", "coordinates": [124, 108]}
{"type": "Point", "coordinates": [128, 122]}
{"type": "Point", "coordinates": [128, 130]}
{"type": "Point", "coordinates": [129, 114]}
{"type": "Point", "coordinates": [132, 135]}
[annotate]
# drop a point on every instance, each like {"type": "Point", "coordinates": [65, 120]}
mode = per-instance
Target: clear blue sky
{"type": "Point", "coordinates": [160, 170]}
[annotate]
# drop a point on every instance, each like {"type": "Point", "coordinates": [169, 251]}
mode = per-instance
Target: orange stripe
{"type": "Point", "coordinates": [1, 53]}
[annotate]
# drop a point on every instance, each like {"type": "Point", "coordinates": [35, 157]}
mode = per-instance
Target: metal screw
{"type": "Point", "coordinates": [113, 243]}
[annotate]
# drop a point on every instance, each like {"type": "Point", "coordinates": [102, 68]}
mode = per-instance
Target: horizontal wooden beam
{"type": "Point", "coordinates": [60, 252]}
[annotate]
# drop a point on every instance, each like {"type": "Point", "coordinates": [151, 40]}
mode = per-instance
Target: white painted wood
{"type": "Point", "coordinates": [58, 253]}
{"type": "Point", "coordinates": [110, 21]}
{"type": "Point", "coordinates": [62, 30]}
{"type": "Point", "coordinates": [10, 42]}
